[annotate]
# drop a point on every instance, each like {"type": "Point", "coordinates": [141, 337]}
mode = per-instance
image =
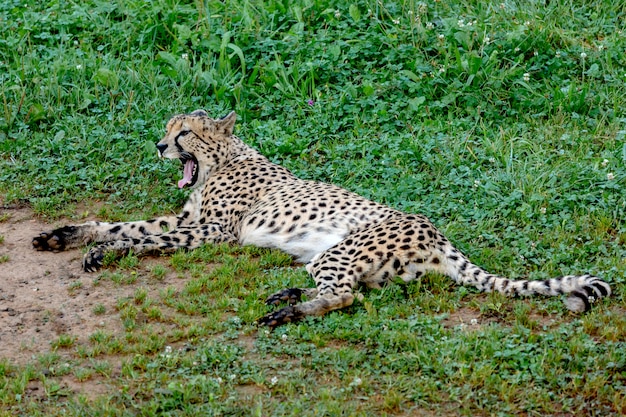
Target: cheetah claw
{"type": "Point", "coordinates": [280, 317]}
{"type": "Point", "coordinates": [290, 295]}
{"type": "Point", "coordinates": [92, 261]}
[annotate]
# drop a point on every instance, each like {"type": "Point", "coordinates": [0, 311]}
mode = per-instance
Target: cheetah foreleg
{"type": "Point", "coordinates": [68, 237]}
{"type": "Point", "coordinates": [187, 237]}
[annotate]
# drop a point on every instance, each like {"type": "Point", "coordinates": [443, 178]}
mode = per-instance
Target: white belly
{"type": "Point", "coordinates": [303, 245]}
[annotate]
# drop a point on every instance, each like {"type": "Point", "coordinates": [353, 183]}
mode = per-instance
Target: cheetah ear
{"type": "Point", "coordinates": [200, 113]}
{"type": "Point", "coordinates": [227, 123]}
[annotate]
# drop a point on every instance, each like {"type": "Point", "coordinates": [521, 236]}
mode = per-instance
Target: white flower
{"type": "Point", "coordinates": [461, 23]}
{"type": "Point", "coordinates": [542, 210]}
{"type": "Point", "coordinates": [274, 380]}
{"type": "Point", "coordinates": [430, 25]}
{"type": "Point", "coordinates": [558, 54]}
{"type": "Point", "coordinates": [473, 322]}
{"type": "Point", "coordinates": [526, 77]}
{"type": "Point", "coordinates": [441, 36]}
{"type": "Point", "coordinates": [486, 39]}
{"type": "Point", "coordinates": [536, 53]}
{"type": "Point", "coordinates": [284, 337]}
{"type": "Point", "coordinates": [476, 183]}
{"type": "Point", "coordinates": [396, 21]}
{"type": "Point", "coordinates": [79, 67]}
{"type": "Point", "coordinates": [356, 382]}
{"type": "Point", "coordinates": [583, 55]}
{"type": "Point", "coordinates": [442, 70]}
{"type": "Point", "coordinates": [185, 56]}
{"type": "Point", "coordinates": [610, 176]}
{"type": "Point", "coordinates": [605, 162]}
{"type": "Point", "coordinates": [516, 50]}
{"type": "Point", "coordinates": [337, 14]}
{"type": "Point", "coordinates": [527, 23]}
{"type": "Point", "coordinates": [167, 352]}
{"type": "Point", "coordinates": [600, 47]}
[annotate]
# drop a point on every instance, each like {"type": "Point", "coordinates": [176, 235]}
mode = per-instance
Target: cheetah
{"type": "Point", "coordinates": [238, 196]}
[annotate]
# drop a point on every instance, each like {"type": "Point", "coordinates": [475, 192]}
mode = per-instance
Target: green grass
{"type": "Point", "coordinates": [501, 121]}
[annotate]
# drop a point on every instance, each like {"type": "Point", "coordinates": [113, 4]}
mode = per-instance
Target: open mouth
{"type": "Point", "coordinates": [190, 172]}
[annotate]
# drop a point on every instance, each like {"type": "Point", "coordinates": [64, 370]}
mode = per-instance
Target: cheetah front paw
{"type": "Point", "coordinates": [290, 295]}
{"type": "Point", "coordinates": [92, 261]}
{"type": "Point", "coordinates": [48, 241]}
{"type": "Point", "coordinates": [280, 317]}
{"type": "Point", "coordinates": [55, 240]}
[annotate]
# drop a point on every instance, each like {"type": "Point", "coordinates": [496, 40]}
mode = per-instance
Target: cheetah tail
{"type": "Point", "coordinates": [581, 290]}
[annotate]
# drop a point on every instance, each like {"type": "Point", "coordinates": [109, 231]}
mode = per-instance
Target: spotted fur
{"type": "Point", "coordinates": [240, 197]}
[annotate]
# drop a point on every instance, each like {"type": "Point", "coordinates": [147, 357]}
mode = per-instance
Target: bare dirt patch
{"type": "Point", "coordinates": [471, 319]}
{"type": "Point", "coordinates": [465, 317]}
{"type": "Point", "coordinates": [44, 295]}
{"type": "Point", "coordinates": [35, 306]}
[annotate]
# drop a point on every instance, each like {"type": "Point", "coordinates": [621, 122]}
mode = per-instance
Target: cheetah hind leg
{"type": "Point", "coordinates": [326, 297]}
{"type": "Point", "coordinates": [290, 296]}
{"type": "Point", "coordinates": [333, 288]}
{"type": "Point", "coordinates": [287, 314]}
{"type": "Point", "coordinates": [320, 305]}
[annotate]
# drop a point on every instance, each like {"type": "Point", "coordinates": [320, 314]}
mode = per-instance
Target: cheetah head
{"type": "Point", "coordinates": [199, 142]}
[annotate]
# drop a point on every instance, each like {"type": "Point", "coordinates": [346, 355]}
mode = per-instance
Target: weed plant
{"type": "Point", "coordinates": [502, 121]}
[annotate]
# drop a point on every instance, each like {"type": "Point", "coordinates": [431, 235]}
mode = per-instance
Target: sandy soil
{"type": "Point", "coordinates": [44, 295]}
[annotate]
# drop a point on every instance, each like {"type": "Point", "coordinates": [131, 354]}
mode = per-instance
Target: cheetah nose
{"type": "Point", "coordinates": [161, 147]}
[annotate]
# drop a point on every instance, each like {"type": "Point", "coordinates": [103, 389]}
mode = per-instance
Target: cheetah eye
{"type": "Point", "coordinates": [182, 133]}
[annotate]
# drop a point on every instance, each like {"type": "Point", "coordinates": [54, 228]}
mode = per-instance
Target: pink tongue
{"type": "Point", "coordinates": [187, 173]}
